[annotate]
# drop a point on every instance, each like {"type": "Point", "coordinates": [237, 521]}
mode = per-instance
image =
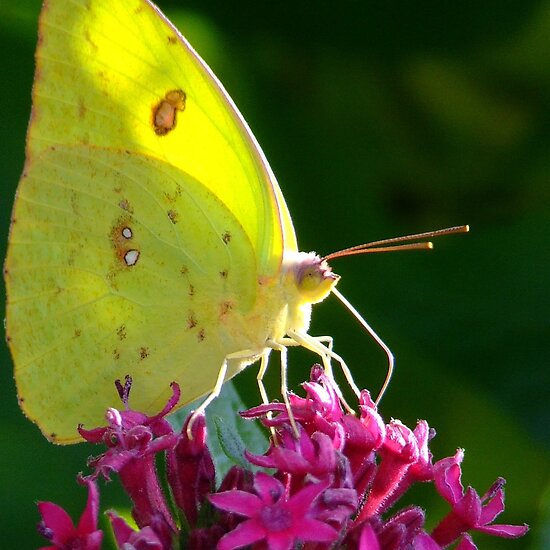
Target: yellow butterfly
{"type": "Point", "coordinates": [149, 235]}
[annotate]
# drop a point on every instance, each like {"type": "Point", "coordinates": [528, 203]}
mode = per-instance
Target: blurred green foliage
{"type": "Point", "coordinates": [379, 119]}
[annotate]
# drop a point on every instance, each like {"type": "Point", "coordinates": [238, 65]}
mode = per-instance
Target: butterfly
{"type": "Point", "coordinates": [149, 235]}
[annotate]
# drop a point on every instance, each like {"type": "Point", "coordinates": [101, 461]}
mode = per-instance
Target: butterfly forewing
{"type": "Point", "coordinates": [107, 70]}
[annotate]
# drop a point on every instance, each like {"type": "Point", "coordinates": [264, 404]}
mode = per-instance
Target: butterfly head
{"type": "Point", "coordinates": [312, 276]}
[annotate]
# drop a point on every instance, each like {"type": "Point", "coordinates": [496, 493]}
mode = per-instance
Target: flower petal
{"type": "Point", "coordinates": [307, 530]}
{"type": "Point", "coordinates": [423, 541]}
{"type": "Point", "coordinates": [88, 520]}
{"type": "Point", "coordinates": [505, 531]}
{"type": "Point", "coordinates": [56, 521]}
{"type": "Point", "coordinates": [268, 488]}
{"type": "Point", "coordinates": [493, 507]}
{"type": "Point", "coordinates": [468, 508]}
{"type": "Point", "coordinates": [245, 533]}
{"type": "Point", "coordinates": [280, 541]}
{"type": "Point", "coordinates": [94, 540]}
{"type": "Point", "coordinates": [121, 529]}
{"type": "Point", "coordinates": [447, 475]}
{"type": "Point", "coordinates": [368, 540]}
{"type": "Point", "coordinates": [301, 502]}
{"type": "Point", "coordinates": [466, 543]}
{"type": "Point", "coordinates": [239, 502]}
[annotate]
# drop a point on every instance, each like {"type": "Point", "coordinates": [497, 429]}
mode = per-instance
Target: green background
{"type": "Point", "coordinates": [379, 119]}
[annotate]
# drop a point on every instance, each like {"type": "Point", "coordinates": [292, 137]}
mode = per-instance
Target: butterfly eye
{"type": "Point", "coordinates": [310, 278]}
{"type": "Point", "coordinates": [315, 280]}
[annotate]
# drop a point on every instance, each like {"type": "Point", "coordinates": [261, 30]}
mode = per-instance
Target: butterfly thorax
{"type": "Point", "coordinates": [283, 304]}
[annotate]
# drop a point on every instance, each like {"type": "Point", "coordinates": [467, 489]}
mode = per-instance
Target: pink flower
{"type": "Point", "coordinates": [308, 454]}
{"type": "Point", "coordinates": [147, 538]}
{"type": "Point", "coordinates": [402, 531]}
{"type": "Point", "coordinates": [398, 453]}
{"type": "Point", "coordinates": [57, 526]}
{"type": "Point", "coordinates": [133, 439]}
{"type": "Point", "coordinates": [337, 484]}
{"type": "Point", "coordinates": [319, 411]}
{"type": "Point", "coordinates": [190, 470]}
{"type": "Point", "coordinates": [273, 516]}
{"type": "Point", "coordinates": [469, 510]}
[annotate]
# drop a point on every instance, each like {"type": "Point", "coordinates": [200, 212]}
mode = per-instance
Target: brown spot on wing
{"type": "Point", "coordinates": [125, 205]}
{"type": "Point", "coordinates": [164, 113]}
{"type": "Point", "coordinates": [225, 308]}
{"type": "Point", "coordinates": [121, 332]}
{"type": "Point", "coordinates": [82, 109]}
{"type": "Point", "coordinates": [191, 320]}
{"type": "Point", "coordinates": [226, 237]}
{"type": "Point", "coordinates": [74, 203]}
{"type": "Point", "coordinates": [173, 215]}
{"type": "Point", "coordinates": [110, 276]}
{"type": "Point", "coordinates": [144, 352]}
{"type": "Point", "coordinates": [173, 197]}
{"type": "Point", "coordinates": [201, 335]}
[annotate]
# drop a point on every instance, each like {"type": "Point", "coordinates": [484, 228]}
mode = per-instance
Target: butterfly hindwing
{"type": "Point", "coordinates": [129, 266]}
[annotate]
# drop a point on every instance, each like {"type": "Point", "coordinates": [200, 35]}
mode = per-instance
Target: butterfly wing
{"type": "Point", "coordinates": [145, 216]}
{"type": "Point", "coordinates": [107, 70]}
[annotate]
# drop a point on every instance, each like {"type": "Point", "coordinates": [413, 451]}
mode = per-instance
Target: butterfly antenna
{"type": "Point", "coordinates": [388, 245]}
{"type": "Point", "coordinates": [395, 243]}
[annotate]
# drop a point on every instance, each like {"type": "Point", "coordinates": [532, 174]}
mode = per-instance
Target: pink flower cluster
{"type": "Point", "coordinates": [336, 484]}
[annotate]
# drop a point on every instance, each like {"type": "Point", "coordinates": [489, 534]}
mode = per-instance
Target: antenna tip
{"type": "Point", "coordinates": [466, 228]}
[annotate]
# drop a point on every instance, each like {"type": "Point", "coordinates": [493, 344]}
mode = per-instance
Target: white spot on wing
{"type": "Point", "coordinates": [131, 257]}
{"type": "Point", "coordinates": [127, 233]}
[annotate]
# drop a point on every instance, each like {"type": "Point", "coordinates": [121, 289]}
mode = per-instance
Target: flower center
{"type": "Point", "coordinates": [276, 518]}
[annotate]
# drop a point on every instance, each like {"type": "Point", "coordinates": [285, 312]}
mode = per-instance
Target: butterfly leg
{"type": "Point", "coordinates": [245, 354]}
{"type": "Point", "coordinates": [213, 394]}
{"type": "Point", "coordinates": [281, 348]}
{"type": "Point", "coordinates": [327, 340]}
{"type": "Point", "coordinates": [261, 373]}
{"type": "Point", "coordinates": [261, 387]}
{"type": "Point", "coordinates": [316, 345]}
{"type": "Point", "coordinates": [325, 353]}
{"type": "Point", "coordinates": [325, 358]}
